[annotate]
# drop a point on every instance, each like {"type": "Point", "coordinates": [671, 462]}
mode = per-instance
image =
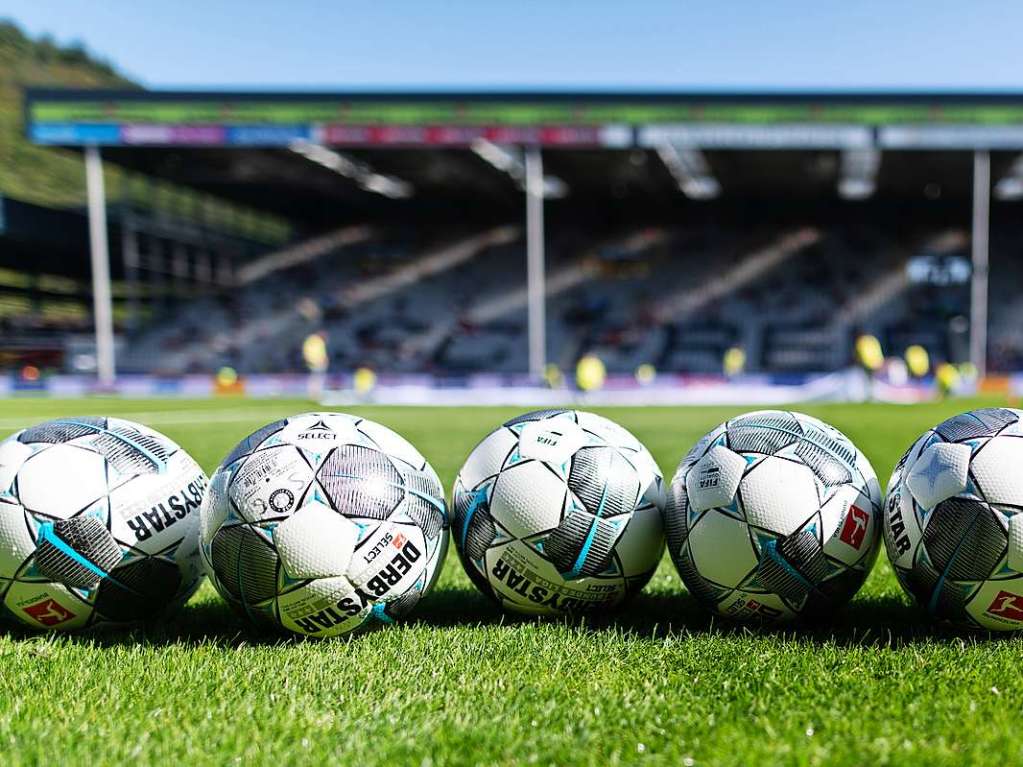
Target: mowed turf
{"type": "Point", "coordinates": [460, 683]}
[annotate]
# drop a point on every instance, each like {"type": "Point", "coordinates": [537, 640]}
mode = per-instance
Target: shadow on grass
{"type": "Point", "coordinates": [871, 621]}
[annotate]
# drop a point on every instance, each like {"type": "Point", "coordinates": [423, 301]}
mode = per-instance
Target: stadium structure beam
{"type": "Point", "coordinates": [689, 167]}
{"type": "Point", "coordinates": [1010, 186]}
{"type": "Point", "coordinates": [359, 172]}
{"type": "Point", "coordinates": [103, 313]}
{"type": "Point", "coordinates": [979, 253]}
{"type": "Point", "coordinates": [858, 177]}
{"type": "Point", "coordinates": [535, 266]}
{"type": "Point", "coordinates": [511, 162]}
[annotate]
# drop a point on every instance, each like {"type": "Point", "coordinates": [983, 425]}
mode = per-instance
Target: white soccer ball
{"type": "Point", "coordinates": [771, 515]}
{"type": "Point", "coordinates": [558, 511]}
{"type": "Point", "coordinates": [324, 523]}
{"type": "Point", "coordinates": [952, 525]}
{"type": "Point", "coordinates": [98, 523]}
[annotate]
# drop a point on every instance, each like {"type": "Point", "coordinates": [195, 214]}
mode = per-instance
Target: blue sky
{"type": "Point", "coordinates": [785, 44]}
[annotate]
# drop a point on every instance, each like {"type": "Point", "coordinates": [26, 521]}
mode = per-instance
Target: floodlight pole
{"type": "Point", "coordinates": [100, 253]}
{"type": "Point", "coordinates": [536, 288]}
{"type": "Point", "coordinates": [979, 252]}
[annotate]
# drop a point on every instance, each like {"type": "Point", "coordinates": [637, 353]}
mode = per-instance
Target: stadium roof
{"type": "Point", "coordinates": [325, 156]}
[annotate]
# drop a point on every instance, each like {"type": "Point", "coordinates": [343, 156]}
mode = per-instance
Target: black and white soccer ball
{"type": "Point", "coordinates": [772, 515]}
{"type": "Point", "coordinates": [99, 522]}
{"type": "Point", "coordinates": [558, 511]}
{"type": "Point", "coordinates": [953, 526]}
{"type": "Point", "coordinates": [324, 523]}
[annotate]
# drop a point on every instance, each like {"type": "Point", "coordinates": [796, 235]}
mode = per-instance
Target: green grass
{"type": "Point", "coordinates": [657, 683]}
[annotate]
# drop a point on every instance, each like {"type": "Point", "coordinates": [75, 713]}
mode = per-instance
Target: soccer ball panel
{"type": "Point", "coordinates": [394, 564]}
{"type": "Point", "coordinates": [525, 581]}
{"type": "Point", "coordinates": [12, 455]}
{"type": "Point", "coordinates": [253, 441]}
{"type": "Point", "coordinates": [712, 481]}
{"type": "Point", "coordinates": [642, 543]}
{"type": "Point", "coordinates": [749, 605]}
{"type": "Point", "coordinates": [393, 444]}
{"type": "Point", "coordinates": [1015, 555]}
{"type": "Point", "coordinates": [996, 467]}
{"type": "Point", "coordinates": [245, 563]}
{"type": "Point", "coordinates": [851, 525]}
{"type": "Point", "coordinates": [964, 539]}
{"type": "Point", "coordinates": [703, 444]}
{"type": "Point", "coordinates": [47, 606]}
{"type": "Point", "coordinates": [527, 499]}
{"type": "Point", "coordinates": [611, 432]}
{"type": "Point", "coordinates": [317, 432]}
{"type": "Point", "coordinates": [553, 440]}
{"type": "Point", "coordinates": [778, 495]}
{"type": "Point", "coordinates": [216, 505]}
{"type": "Point", "coordinates": [721, 548]}
{"type": "Point", "coordinates": [324, 607]}
{"type": "Point", "coordinates": [16, 542]}
{"type": "Point", "coordinates": [62, 480]}
{"type": "Point", "coordinates": [998, 605]}
{"type": "Point", "coordinates": [270, 483]}
{"type": "Point", "coordinates": [361, 482]}
{"type": "Point", "coordinates": [939, 473]}
{"type": "Point", "coordinates": [315, 542]}
{"type": "Point", "coordinates": [154, 511]}
{"type": "Point", "coordinates": [902, 529]}
{"type": "Point", "coordinates": [487, 458]}
{"type": "Point", "coordinates": [985, 422]}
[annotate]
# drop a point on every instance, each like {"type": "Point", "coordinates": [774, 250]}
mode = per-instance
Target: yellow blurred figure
{"type": "Point", "coordinates": [552, 376]}
{"type": "Point", "coordinates": [918, 361]}
{"type": "Point", "coordinates": [868, 353]}
{"type": "Point", "coordinates": [645, 374]}
{"type": "Point", "coordinates": [364, 380]}
{"type": "Point", "coordinates": [734, 361]}
{"type": "Point", "coordinates": [968, 371]}
{"type": "Point", "coordinates": [590, 373]}
{"type": "Point", "coordinates": [314, 352]}
{"type": "Point", "coordinates": [227, 376]}
{"type": "Point", "coordinates": [227, 382]}
{"type": "Point", "coordinates": [947, 377]}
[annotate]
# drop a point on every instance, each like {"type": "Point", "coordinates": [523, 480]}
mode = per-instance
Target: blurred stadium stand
{"type": "Point", "coordinates": [411, 256]}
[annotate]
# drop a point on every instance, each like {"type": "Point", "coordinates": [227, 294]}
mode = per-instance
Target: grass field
{"type": "Point", "coordinates": [658, 683]}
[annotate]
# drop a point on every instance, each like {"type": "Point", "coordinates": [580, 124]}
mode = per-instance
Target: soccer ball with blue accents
{"type": "Point", "coordinates": [99, 523]}
{"type": "Point", "coordinates": [559, 511]}
{"type": "Point", "coordinates": [953, 526]}
{"type": "Point", "coordinates": [324, 523]}
{"type": "Point", "coordinates": [771, 515]}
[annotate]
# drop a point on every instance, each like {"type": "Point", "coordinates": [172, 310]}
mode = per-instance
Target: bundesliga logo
{"type": "Point", "coordinates": [854, 529]}
{"type": "Point", "coordinates": [49, 613]}
{"type": "Point", "coordinates": [1007, 605]}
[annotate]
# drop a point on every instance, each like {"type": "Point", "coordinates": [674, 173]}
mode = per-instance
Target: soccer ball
{"type": "Point", "coordinates": [323, 523]}
{"type": "Point", "coordinates": [952, 524]}
{"type": "Point", "coordinates": [558, 511]}
{"type": "Point", "coordinates": [771, 515]}
{"type": "Point", "coordinates": [98, 523]}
